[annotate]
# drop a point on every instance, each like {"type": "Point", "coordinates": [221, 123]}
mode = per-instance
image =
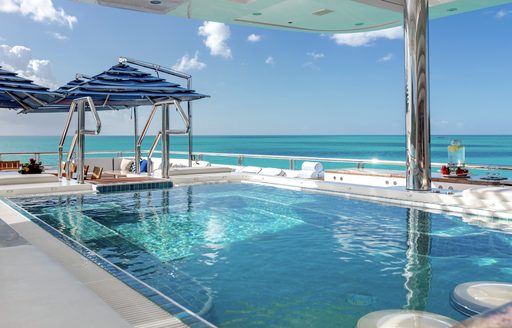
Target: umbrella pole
{"type": "Point", "coordinates": [189, 113]}
{"type": "Point", "coordinates": [136, 138]}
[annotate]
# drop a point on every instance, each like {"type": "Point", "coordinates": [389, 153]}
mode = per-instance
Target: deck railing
{"type": "Point", "coordinates": [240, 158]}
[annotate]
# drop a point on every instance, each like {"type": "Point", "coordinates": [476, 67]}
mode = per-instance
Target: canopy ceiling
{"type": "Point", "coordinates": [323, 16]}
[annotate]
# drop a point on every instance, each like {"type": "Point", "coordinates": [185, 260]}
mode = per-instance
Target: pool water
{"type": "Point", "coordinates": [245, 255]}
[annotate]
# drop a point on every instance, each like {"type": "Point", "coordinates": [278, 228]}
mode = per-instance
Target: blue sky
{"type": "Point", "coordinates": [285, 83]}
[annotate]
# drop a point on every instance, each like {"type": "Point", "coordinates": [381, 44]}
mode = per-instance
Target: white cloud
{"type": "Point", "coordinates": [270, 60]}
{"type": "Point", "coordinates": [58, 36]}
{"type": "Point", "coordinates": [38, 10]}
{"type": "Point", "coordinates": [386, 58]}
{"type": "Point", "coordinates": [367, 38]}
{"type": "Point", "coordinates": [502, 13]}
{"type": "Point", "coordinates": [254, 38]}
{"type": "Point", "coordinates": [216, 36]}
{"type": "Point", "coordinates": [187, 63]}
{"type": "Point", "coordinates": [18, 59]}
{"type": "Point", "coordinates": [315, 55]}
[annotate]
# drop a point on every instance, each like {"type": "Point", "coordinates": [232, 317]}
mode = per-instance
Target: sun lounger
{"type": "Point", "coordinates": [249, 169]}
{"type": "Point", "coordinates": [269, 171]}
{"type": "Point", "coordinates": [27, 179]}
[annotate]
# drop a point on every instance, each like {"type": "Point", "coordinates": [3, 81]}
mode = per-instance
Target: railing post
{"type": "Point", "coordinates": [165, 141]}
{"type": "Point", "coordinates": [292, 164]}
{"type": "Point", "coordinates": [81, 142]}
{"type": "Point", "coordinates": [240, 160]}
{"type": "Point", "coordinates": [60, 162]}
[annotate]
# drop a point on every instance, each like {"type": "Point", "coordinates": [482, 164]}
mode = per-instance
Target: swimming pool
{"type": "Point", "coordinates": [245, 255]}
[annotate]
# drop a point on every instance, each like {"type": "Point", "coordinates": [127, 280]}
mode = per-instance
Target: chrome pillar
{"type": "Point", "coordinates": [80, 142]}
{"type": "Point", "coordinates": [165, 141]}
{"type": "Point", "coordinates": [417, 125]}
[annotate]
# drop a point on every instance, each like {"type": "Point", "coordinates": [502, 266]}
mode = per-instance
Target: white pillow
{"type": "Point", "coordinates": [126, 164]}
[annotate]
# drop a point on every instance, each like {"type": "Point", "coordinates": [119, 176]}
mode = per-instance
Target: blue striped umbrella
{"type": "Point", "coordinates": [20, 93]}
{"type": "Point", "coordinates": [121, 86]}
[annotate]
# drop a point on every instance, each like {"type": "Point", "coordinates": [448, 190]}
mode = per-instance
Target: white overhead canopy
{"type": "Point", "coordinates": [323, 16]}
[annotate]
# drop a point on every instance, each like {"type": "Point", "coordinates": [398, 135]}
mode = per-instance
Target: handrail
{"type": "Point", "coordinates": [336, 160]}
{"type": "Point", "coordinates": [64, 135]}
{"type": "Point", "coordinates": [142, 136]}
{"type": "Point", "coordinates": [151, 151]}
{"type": "Point", "coordinates": [276, 157]}
{"type": "Point", "coordinates": [81, 102]}
{"type": "Point", "coordinates": [70, 154]}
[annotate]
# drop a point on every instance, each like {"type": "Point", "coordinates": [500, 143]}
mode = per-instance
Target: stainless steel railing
{"type": "Point", "coordinates": [360, 163]}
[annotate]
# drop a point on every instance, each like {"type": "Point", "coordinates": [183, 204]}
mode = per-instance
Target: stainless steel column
{"type": "Point", "coordinates": [165, 141]}
{"type": "Point", "coordinates": [189, 112]}
{"type": "Point", "coordinates": [418, 175]}
{"type": "Point", "coordinates": [81, 142]}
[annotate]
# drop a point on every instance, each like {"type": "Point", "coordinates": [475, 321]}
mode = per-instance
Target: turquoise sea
{"type": "Point", "coordinates": [480, 149]}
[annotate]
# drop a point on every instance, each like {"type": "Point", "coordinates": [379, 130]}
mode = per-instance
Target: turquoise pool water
{"type": "Point", "coordinates": [245, 255]}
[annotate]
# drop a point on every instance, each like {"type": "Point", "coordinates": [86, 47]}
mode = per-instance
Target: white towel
{"type": "Point", "coordinates": [312, 166]}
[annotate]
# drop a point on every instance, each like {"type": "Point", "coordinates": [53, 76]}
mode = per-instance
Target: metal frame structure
{"type": "Point", "coordinates": [163, 134]}
{"type": "Point", "coordinates": [79, 137]}
{"type": "Point", "coordinates": [187, 118]}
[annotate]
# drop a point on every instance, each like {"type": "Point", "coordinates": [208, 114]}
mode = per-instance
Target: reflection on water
{"type": "Point", "coordinates": [418, 271]}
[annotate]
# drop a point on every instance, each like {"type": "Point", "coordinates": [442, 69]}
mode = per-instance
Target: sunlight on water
{"type": "Point", "coordinates": [247, 255]}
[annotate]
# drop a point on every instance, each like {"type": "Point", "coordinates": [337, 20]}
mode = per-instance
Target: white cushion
{"type": "Point", "coordinates": [126, 164]}
{"type": "Point", "coordinates": [105, 162]}
{"type": "Point", "coordinates": [291, 173]}
{"type": "Point", "coordinates": [270, 171]}
{"type": "Point", "coordinates": [250, 169]}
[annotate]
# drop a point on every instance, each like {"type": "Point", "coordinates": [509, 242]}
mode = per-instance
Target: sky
{"type": "Point", "coordinates": [264, 81]}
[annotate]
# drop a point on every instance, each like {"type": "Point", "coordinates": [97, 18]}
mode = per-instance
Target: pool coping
{"type": "Point", "coordinates": [135, 301]}
{"type": "Point", "coordinates": [448, 202]}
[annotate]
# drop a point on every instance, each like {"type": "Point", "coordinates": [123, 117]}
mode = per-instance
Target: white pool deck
{"type": "Point", "coordinates": [44, 283]}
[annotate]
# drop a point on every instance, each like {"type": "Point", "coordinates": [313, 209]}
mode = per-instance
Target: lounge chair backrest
{"type": "Point", "coordinates": [97, 172]}
{"type": "Point", "coordinates": [86, 170]}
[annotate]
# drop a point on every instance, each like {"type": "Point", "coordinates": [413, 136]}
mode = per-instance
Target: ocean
{"type": "Point", "coordinates": [480, 149]}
